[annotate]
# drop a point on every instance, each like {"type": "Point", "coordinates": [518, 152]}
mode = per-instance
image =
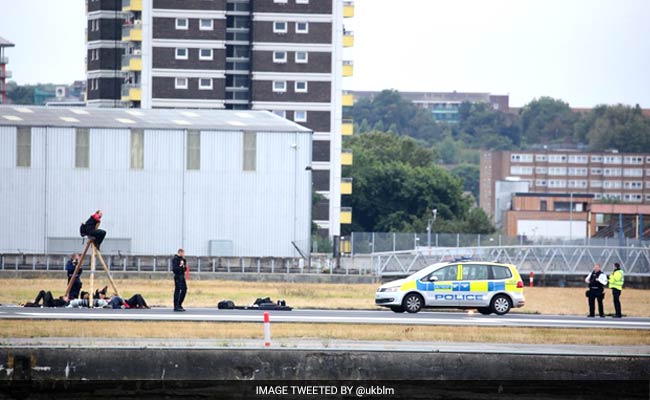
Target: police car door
{"type": "Point", "coordinates": [444, 280]}
{"type": "Point", "coordinates": [473, 288]}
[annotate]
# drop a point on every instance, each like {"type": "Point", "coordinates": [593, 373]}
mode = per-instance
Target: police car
{"type": "Point", "coordinates": [489, 287]}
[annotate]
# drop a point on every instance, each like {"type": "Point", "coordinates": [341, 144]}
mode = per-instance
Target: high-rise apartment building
{"type": "Point", "coordinates": [609, 176]}
{"type": "Point", "coordinates": [4, 74]}
{"type": "Point", "coordinates": [284, 56]}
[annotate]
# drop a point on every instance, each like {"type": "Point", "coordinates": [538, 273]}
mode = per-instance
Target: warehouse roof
{"type": "Point", "coordinates": [85, 117]}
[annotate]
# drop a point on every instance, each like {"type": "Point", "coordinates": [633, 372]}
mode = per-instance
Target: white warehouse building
{"type": "Point", "coordinates": [217, 183]}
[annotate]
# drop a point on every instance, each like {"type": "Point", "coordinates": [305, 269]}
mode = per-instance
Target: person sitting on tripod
{"type": "Point", "coordinates": [91, 229]}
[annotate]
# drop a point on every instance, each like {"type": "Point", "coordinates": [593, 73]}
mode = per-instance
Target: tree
{"type": "Point", "coordinates": [618, 127]}
{"type": "Point", "coordinates": [449, 151]}
{"type": "Point", "coordinates": [23, 95]}
{"type": "Point", "coordinates": [396, 184]}
{"type": "Point", "coordinates": [547, 120]}
{"type": "Point", "coordinates": [470, 175]}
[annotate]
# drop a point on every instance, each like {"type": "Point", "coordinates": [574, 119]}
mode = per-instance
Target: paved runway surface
{"type": "Point", "coordinates": [327, 316]}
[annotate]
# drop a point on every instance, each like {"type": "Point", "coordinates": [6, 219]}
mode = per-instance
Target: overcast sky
{"type": "Point", "coordinates": [586, 52]}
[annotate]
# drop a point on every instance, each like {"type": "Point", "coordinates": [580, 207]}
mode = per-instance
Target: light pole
{"type": "Point", "coordinates": [434, 213]}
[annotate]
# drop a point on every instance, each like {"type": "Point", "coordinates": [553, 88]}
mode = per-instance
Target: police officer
{"type": "Point", "coordinates": [70, 267]}
{"type": "Point", "coordinates": [616, 284]}
{"type": "Point", "coordinates": [597, 281]}
{"type": "Point", "coordinates": [179, 265]}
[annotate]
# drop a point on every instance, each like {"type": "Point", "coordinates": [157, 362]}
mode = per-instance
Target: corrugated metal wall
{"type": "Point", "coordinates": [163, 206]}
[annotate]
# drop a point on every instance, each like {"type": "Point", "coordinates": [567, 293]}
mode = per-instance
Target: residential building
{"type": "Point", "coordinates": [609, 176]}
{"type": "Point", "coordinates": [284, 56]}
{"type": "Point", "coordinates": [4, 74]}
{"type": "Point", "coordinates": [445, 105]}
{"type": "Point", "coordinates": [217, 183]}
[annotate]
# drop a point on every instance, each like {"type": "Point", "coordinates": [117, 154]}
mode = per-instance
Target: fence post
{"type": "Point", "coordinates": [499, 240]}
{"type": "Point", "coordinates": [213, 266]}
{"type": "Point", "coordinates": [33, 263]}
{"type": "Point", "coordinates": [155, 261]}
{"type": "Point", "coordinates": [243, 264]}
{"type": "Point", "coordinates": [139, 264]}
{"type": "Point", "coordinates": [478, 240]}
{"type": "Point", "coordinates": [47, 263]}
{"type": "Point", "coordinates": [373, 243]}
{"type": "Point", "coordinates": [394, 235]}
{"type": "Point", "coordinates": [273, 265]}
{"type": "Point", "coordinates": [436, 240]}
{"type": "Point", "coordinates": [124, 264]}
{"type": "Point", "coordinates": [458, 240]}
{"type": "Point", "coordinates": [352, 244]}
{"type": "Point", "coordinates": [258, 265]}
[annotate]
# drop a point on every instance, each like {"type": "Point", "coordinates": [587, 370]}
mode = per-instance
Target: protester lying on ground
{"type": "Point", "coordinates": [83, 301]}
{"type": "Point", "coordinates": [48, 300]}
{"type": "Point", "coordinates": [136, 301]}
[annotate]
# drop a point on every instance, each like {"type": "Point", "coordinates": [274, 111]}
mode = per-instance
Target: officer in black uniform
{"type": "Point", "coordinates": [597, 281]}
{"type": "Point", "coordinates": [179, 265]}
{"type": "Point", "coordinates": [70, 267]}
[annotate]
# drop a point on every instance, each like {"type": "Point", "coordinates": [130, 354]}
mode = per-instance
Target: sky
{"type": "Point", "coordinates": [586, 52]}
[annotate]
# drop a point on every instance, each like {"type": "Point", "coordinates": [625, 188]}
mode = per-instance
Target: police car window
{"type": "Point", "coordinates": [475, 272]}
{"type": "Point", "coordinates": [447, 273]}
{"type": "Point", "coordinates": [501, 272]}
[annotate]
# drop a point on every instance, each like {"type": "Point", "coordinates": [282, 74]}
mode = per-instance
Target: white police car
{"type": "Point", "coordinates": [487, 286]}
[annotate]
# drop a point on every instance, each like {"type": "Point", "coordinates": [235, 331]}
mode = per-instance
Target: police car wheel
{"type": "Point", "coordinates": [413, 303]}
{"type": "Point", "coordinates": [398, 309]}
{"type": "Point", "coordinates": [484, 311]}
{"type": "Point", "coordinates": [501, 305]}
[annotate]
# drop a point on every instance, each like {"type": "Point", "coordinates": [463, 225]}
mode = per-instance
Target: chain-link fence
{"type": "Point", "coordinates": [381, 242]}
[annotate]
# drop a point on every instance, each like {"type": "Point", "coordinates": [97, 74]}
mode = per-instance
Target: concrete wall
{"type": "Point", "coordinates": [241, 364]}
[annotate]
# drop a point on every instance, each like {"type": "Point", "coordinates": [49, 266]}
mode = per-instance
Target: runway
{"type": "Point", "coordinates": [425, 318]}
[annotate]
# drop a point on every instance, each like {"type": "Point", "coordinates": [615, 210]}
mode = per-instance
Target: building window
{"type": "Point", "coordinates": [596, 159]}
{"type": "Point", "coordinates": [596, 171]}
{"type": "Point", "coordinates": [23, 146]}
{"type": "Point", "coordinates": [205, 84]}
{"type": "Point", "coordinates": [557, 184]}
{"type": "Point", "coordinates": [281, 1]}
{"type": "Point", "coordinates": [280, 27]}
{"type": "Point", "coordinates": [578, 171]}
{"type": "Point", "coordinates": [541, 183]}
{"type": "Point", "coordinates": [557, 158]}
{"type": "Point", "coordinates": [633, 172]}
{"type": "Point", "coordinates": [279, 56]}
{"type": "Point", "coordinates": [633, 185]}
{"type": "Point", "coordinates": [612, 172]}
{"type": "Point", "coordinates": [193, 150]}
{"type": "Point", "coordinates": [577, 184]}
{"type": "Point", "coordinates": [543, 205]}
{"type": "Point", "coordinates": [302, 27]}
{"type": "Point", "coordinates": [541, 170]}
{"type": "Point", "coordinates": [612, 184]}
{"type": "Point", "coordinates": [302, 1]}
{"type": "Point", "coordinates": [526, 158]}
{"type": "Point", "coordinates": [635, 198]}
{"type": "Point", "coordinates": [596, 184]}
{"type": "Point", "coordinates": [300, 116]}
{"type": "Point", "coordinates": [559, 171]}
{"type": "Point", "coordinates": [279, 86]}
{"type": "Point", "coordinates": [180, 83]}
{"type": "Point", "coordinates": [541, 157]}
{"type": "Point", "coordinates": [82, 148]}
{"type": "Point", "coordinates": [205, 54]}
{"type": "Point", "coordinates": [633, 160]}
{"type": "Point", "coordinates": [137, 149]}
{"type": "Point", "coordinates": [578, 159]}
{"type": "Point", "coordinates": [206, 24]}
{"type": "Point", "coordinates": [280, 113]}
{"type": "Point", "coordinates": [250, 151]}
{"type": "Point", "coordinates": [301, 87]}
{"type": "Point", "coordinates": [182, 54]}
{"type": "Point", "coordinates": [182, 23]}
{"type": "Point", "coordinates": [613, 160]}
{"type": "Point", "coordinates": [302, 57]}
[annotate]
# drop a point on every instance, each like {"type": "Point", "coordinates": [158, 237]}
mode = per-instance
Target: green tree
{"type": "Point", "coordinates": [396, 184]}
{"type": "Point", "coordinates": [618, 127]}
{"type": "Point", "coordinates": [547, 120]}
{"type": "Point", "coordinates": [470, 175]}
{"type": "Point", "coordinates": [449, 151]}
{"type": "Point", "coordinates": [17, 94]}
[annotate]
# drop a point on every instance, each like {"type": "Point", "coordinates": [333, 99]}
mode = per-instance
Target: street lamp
{"type": "Point", "coordinates": [434, 213]}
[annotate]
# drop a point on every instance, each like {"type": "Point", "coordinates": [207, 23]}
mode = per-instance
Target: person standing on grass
{"type": "Point", "coordinates": [597, 281]}
{"type": "Point", "coordinates": [616, 284]}
{"type": "Point", "coordinates": [179, 266]}
{"type": "Point", "coordinates": [70, 267]}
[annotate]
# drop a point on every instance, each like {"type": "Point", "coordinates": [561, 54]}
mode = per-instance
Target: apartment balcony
{"type": "Point", "coordinates": [348, 38]}
{"type": "Point", "coordinates": [347, 158]}
{"type": "Point", "coordinates": [346, 186]}
{"type": "Point", "coordinates": [347, 128]}
{"type": "Point", "coordinates": [5, 74]}
{"type": "Point", "coordinates": [131, 62]}
{"type": "Point", "coordinates": [4, 60]}
{"type": "Point", "coordinates": [131, 5]}
{"type": "Point", "coordinates": [131, 92]}
{"type": "Point", "coordinates": [132, 32]}
{"type": "Point", "coordinates": [346, 215]}
{"type": "Point", "coordinates": [348, 9]}
{"type": "Point", "coordinates": [348, 99]}
{"type": "Point", "coordinates": [348, 68]}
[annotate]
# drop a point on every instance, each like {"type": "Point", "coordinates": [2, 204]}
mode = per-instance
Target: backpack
{"type": "Point", "coordinates": [226, 305]}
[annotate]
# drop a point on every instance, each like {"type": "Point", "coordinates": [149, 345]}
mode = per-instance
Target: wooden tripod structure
{"type": "Point", "coordinates": [94, 252]}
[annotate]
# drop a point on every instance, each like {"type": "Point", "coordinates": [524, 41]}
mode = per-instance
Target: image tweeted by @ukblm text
{"type": "Point", "coordinates": [359, 391]}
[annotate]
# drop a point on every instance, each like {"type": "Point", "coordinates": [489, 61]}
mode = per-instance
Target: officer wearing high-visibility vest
{"type": "Point", "coordinates": [616, 284]}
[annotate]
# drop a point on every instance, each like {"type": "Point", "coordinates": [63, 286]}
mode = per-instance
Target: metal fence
{"type": "Point", "coordinates": [546, 259]}
{"type": "Point", "coordinates": [380, 242]}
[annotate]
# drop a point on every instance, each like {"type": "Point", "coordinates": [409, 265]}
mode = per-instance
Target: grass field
{"type": "Point", "coordinates": [564, 301]}
{"type": "Point", "coordinates": [233, 331]}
